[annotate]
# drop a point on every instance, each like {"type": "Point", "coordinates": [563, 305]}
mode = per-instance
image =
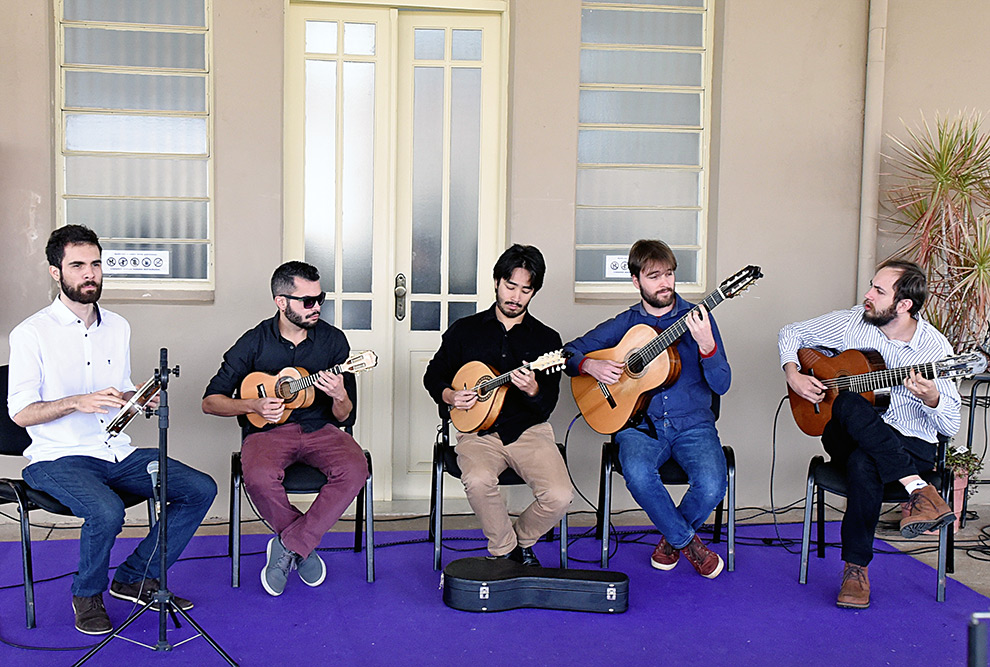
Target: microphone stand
{"type": "Point", "coordinates": [163, 597]}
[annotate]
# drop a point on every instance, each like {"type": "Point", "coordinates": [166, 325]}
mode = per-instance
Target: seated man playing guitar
{"type": "Point", "coordinates": [677, 420]}
{"type": "Point", "coordinates": [505, 337]}
{"type": "Point", "coordinates": [294, 337]}
{"type": "Point", "coordinates": [876, 449]}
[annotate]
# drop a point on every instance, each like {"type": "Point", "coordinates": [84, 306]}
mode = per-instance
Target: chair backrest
{"type": "Point", "coordinates": [14, 439]}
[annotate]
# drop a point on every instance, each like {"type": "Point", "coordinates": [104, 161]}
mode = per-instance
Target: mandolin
{"type": "Point", "coordinates": [864, 372]}
{"type": "Point", "coordinates": [650, 360]}
{"type": "Point", "coordinates": [295, 385]}
{"type": "Point", "coordinates": [491, 387]}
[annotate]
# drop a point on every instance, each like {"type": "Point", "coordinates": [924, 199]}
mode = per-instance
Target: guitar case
{"type": "Point", "coordinates": [482, 584]}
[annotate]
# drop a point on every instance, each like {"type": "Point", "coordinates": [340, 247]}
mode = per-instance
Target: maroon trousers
{"type": "Point", "coordinates": [266, 455]}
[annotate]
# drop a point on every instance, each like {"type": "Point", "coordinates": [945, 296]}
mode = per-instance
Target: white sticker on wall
{"type": "Point", "coordinates": [616, 266]}
{"type": "Point", "coordinates": [143, 262]}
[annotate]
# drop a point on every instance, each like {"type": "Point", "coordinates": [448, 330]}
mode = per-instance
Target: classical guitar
{"type": "Point", "coordinates": [864, 372]}
{"type": "Point", "coordinates": [491, 387]}
{"type": "Point", "coordinates": [650, 361]}
{"type": "Point", "coordinates": [295, 385]}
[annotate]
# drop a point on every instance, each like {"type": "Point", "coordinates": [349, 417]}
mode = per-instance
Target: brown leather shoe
{"type": "Point", "coordinates": [855, 591]}
{"type": "Point", "coordinates": [664, 557]}
{"type": "Point", "coordinates": [708, 563]}
{"type": "Point", "coordinates": [925, 510]}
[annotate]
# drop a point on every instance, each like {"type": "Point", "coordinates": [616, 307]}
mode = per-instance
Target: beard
{"type": "Point", "coordinates": [501, 305]}
{"type": "Point", "coordinates": [880, 317]}
{"type": "Point", "coordinates": [299, 320]}
{"type": "Point", "coordinates": [656, 300]}
{"type": "Point", "coordinates": [76, 293]}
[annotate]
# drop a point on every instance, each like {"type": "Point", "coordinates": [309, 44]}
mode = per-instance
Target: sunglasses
{"type": "Point", "coordinates": [308, 301]}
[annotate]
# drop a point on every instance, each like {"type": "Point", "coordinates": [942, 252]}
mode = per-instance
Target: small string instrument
{"type": "Point", "coordinates": [295, 385]}
{"type": "Point", "coordinates": [491, 387]}
{"type": "Point", "coordinates": [134, 406]}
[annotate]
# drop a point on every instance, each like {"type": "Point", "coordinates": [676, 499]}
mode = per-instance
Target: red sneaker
{"type": "Point", "coordinates": [708, 563]}
{"type": "Point", "coordinates": [664, 556]}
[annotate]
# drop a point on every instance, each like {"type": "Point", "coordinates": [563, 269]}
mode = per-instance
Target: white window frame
{"type": "Point", "coordinates": [144, 288]}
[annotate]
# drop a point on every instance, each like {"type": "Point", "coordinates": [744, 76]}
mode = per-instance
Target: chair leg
{"type": "Point", "coordinates": [809, 500]}
{"type": "Point", "coordinates": [821, 522]}
{"type": "Point", "coordinates": [731, 507]}
{"type": "Point", "coordinates": [359, 518]}
{"type": "Point", "coordinates": [605, 502]}
{"type": "Point", "coordinates": [436, 514]}
{"type": "Point", "coordinates": [234, 526]}
{"type": "Point", "coordinates": [717, 530]}
{"type": "Point", "coordinates": [563, 541]}
{"type": "Point", "coordinates": [26, 562]}
{"type": "Point", "coordinates": [369, 523]}
{"type": "Point", "coordinates": [943, 552]}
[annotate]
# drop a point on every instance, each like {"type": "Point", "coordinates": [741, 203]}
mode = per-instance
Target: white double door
{"type": "Point", "coordinates": [394, 189]}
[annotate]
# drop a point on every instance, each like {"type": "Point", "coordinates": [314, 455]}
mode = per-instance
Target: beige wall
{"type": "Point", "coordinates": [785, 186]}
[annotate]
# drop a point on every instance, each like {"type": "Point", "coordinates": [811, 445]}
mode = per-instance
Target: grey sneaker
{"type": "Point", "coordinates": [91, 615]}
{"type": "Point", "coordinates": [312, 569]}
{"type": "Point", "coordinates": [280, 562]}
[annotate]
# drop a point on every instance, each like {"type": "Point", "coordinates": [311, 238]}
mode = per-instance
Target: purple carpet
{"type": "Point", "coordinates": [757, 615]}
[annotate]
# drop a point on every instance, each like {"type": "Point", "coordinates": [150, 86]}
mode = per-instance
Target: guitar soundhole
{"type": "Point", "coordinates": [282, 389]}
{"type": "Point", "coordinates": [634, 364]}
{"type": "Point", "coordinates": [482, 394]}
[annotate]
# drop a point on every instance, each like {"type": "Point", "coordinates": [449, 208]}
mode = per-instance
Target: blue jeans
{"type": "Point", "coordinates": [88, 486]}
{"type": "Point", "coordinates": [699, 453]}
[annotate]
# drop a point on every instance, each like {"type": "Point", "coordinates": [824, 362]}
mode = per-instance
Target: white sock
{"type": "Point", "coordinates": [914, 486]}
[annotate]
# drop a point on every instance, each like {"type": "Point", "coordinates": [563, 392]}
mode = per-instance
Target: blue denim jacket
{"type": "Point", "coordinates": [687, 402]}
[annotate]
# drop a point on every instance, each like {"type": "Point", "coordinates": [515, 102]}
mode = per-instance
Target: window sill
{"type": "Point", "coordinates": [151, 293]}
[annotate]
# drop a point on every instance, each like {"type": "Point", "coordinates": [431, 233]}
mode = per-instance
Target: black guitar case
{"type": "Point", "coordinates": [481, 584]}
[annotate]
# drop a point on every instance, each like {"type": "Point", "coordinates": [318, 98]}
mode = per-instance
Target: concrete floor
{"type": "Point", "coordinates": [411, 515]}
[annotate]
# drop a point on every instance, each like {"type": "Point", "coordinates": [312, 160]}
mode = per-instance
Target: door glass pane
{"type": "Point", "coordinates": [466, 45]}
{"type": "Point", "coordinates": [321, 37]}
{"type": "Point", "coordinates": [319, 199]}
{"type": "Point", "coordinates": [359, 39]}
{"type": "Point", "coordinates": [155, 92]}
{"type": "Point", "coordinates": [357, 176]}
{"type": "Point", "coordinates": [356, 315]}
{"type": "Point", "coordinates": [465, 174]}
{"type": "Point", "coordinates": [96, 46]}
{"type": "Point", "coordinates": [427, 186]}
{"type": "Point", "coordinates": [458, 309]}
{"type": "Point", "coordinates": [327, 311]}
{"type": "Point", "coordinates": [429, 44]}
{"type": "Point", "coordinates": [424, 316]}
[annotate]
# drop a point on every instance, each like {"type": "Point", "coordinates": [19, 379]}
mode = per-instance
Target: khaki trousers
{"type": "Point", "coordinates": [536, 459]}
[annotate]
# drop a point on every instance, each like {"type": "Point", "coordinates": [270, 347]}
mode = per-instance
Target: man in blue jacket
{"type": "Point", "coordinates": [678, 421]}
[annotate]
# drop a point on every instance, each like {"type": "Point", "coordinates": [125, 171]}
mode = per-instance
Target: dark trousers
{"type": "Point", "coordinates": [874, 454]}
{"type": "Point", "coordinates": [265, 456]}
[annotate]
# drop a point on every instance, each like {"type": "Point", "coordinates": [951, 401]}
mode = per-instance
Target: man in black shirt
{"type": "Point", "coordinates": [297, 337]}
{"type": "Point", "coordinates": [505, 337]}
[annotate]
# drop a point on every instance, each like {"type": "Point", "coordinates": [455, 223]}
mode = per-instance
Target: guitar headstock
{"type": "Point", "coordinates": [551, 361]}
{"type": "Point", "coordinates": [964, 365]}
{"type": "Point", "coordinates": [362, 361]}
{"type": "Point", "coordinates": [740, 281]}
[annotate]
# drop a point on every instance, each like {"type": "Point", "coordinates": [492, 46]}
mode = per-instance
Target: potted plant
{"type": "Point", "coordinates": [939, 190]}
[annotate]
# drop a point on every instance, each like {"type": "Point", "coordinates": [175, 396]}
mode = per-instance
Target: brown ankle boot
{"type": "Point", "coordinates": [925, 510]}
{"type": "Point", "coordinates": [855, 591]}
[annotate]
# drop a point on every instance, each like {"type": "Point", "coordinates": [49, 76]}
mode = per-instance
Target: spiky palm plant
{"type": "Point", "coordinates": [941, 206]}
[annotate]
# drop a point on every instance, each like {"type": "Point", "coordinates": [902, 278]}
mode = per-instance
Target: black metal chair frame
{"type": "Point", "coordinates": [301, 478]}
{"type": "Point", "coordinates": [826, 476]}
{"type": "Point", "coordinates": [671, 474]}
{"type": "Point", "coordinates": [14, 440]}
{"type": "Point", "coordinates": [445, 461]}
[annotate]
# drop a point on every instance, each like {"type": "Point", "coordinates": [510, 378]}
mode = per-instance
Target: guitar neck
{"type": "Point", "coordinates": [882, 379]}
{"type": "Point", "coordinates": [310, 380]}
{"type": "Point", "coordinates": [494, 383]}
{"type": "Point", "coordinates": [669, 336]}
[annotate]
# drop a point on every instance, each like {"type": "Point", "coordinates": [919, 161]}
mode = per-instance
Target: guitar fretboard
{"type": "Point", "coordinates": [289, 388]}
{"type": "Point", "coordinates": [641, 358]}
{"type": "Point", "coordinates": [491, 384]}
{"type": "Point", "coordinates": [882, 379]}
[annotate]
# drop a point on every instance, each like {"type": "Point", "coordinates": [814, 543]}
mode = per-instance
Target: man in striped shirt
{"type": "Point", "coordinates": [897, 445]}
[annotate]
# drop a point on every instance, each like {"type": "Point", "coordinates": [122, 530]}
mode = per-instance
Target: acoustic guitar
{"type": "Point", "coordinates": [650, 361]}
{"type": "Point", "coordinates": [295, 385]}
{"type": "Point", "coordinates": [491, 387]}
{"type": "Point", "coordinates": [864, 372]}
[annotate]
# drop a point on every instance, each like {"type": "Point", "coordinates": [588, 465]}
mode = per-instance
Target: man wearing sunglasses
{"type": "Point", "coordinates": [294, 337]}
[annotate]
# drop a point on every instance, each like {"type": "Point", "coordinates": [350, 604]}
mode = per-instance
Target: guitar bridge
{"type": "Point", "coordinates": [607, 394]}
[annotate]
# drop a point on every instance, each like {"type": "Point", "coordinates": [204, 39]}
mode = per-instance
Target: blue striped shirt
{"type": "Point", "coordinates": [846, 330]}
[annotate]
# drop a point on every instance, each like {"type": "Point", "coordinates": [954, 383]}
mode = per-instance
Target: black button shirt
{"type": "Point", "coordinates": [264, 349]}
{"type": "Point", "coordinates": [481, 337]}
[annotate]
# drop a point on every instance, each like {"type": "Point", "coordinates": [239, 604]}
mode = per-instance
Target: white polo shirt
{"type": "Point", "coordinates": [54, 355]}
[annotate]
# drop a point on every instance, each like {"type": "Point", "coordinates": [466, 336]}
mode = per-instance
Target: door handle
{"type": "Point", "coordinates": [400, 297]}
